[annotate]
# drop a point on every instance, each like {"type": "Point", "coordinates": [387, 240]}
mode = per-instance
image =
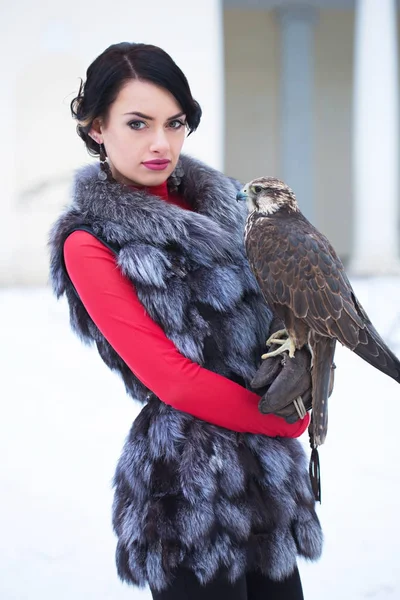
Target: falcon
{"type": "Point", "coordinates": [303, 281]}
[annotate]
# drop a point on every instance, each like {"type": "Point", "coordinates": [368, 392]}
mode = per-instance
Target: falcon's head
{"type": "Point", "coordinates": [267, 195]}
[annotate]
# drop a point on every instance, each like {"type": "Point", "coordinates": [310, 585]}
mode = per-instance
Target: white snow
{"type": "Point", "coordinates": [64, 420]}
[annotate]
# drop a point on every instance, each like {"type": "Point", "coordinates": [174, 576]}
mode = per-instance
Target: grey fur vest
{"type": "Point", "coordinates": [187, 492]}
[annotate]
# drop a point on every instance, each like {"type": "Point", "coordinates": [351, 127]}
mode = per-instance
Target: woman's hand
{"type": "Point", "coordinates": [281, 380]}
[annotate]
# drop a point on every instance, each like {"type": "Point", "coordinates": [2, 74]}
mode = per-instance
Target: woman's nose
{"type": "Point", "coordinates": [159, 142]}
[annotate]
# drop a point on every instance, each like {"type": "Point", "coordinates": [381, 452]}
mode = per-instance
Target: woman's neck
{"type": "Point", "coordinates": [161, 191]}
{"type": "Point", "coordinates": [155, 190]}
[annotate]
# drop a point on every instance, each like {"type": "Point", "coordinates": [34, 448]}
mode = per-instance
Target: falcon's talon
{"type": "Point", "coordinates": [288, 345]}
{"type": "Point", "coordinates": [275, 338]}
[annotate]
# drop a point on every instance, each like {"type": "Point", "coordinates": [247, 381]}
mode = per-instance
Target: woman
{"type": "Point", "coordinates": [212, 499]}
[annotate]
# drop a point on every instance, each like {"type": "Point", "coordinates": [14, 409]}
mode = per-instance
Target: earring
{"type": "Point", "coordinates": [174, 180]}
{"type": "Point", "coordinates": [105, 172]}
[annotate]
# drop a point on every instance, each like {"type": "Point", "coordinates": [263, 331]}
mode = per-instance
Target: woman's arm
{"type": "Point", "coordinates": [113, 305]}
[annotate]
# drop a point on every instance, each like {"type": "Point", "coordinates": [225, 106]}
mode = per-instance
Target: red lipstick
{"type": "Point", "coordinates": [156, 165]}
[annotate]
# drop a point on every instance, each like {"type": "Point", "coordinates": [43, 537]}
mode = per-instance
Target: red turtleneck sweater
{"type": "Point", "coordinates": [112, 303]}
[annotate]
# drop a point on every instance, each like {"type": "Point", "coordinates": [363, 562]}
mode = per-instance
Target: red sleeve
{"type": "Point", "coordinates": [112, 303]}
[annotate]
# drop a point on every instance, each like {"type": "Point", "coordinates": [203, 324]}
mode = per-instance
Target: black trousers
{"type": "Point", "coordinates": [252, 586]}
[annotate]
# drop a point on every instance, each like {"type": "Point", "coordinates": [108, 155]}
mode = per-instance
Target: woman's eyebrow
{"type": "Point", "coordinates": [143, 116]}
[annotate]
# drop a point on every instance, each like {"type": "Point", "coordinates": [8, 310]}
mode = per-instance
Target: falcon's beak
{"type": "Point", "coordinates": [242, 195]}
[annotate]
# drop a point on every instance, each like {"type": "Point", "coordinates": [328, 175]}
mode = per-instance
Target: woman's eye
{"type": "Point", "coordinates": [176, 124]}
{"type": "Point", "coordinates": [137, 125]}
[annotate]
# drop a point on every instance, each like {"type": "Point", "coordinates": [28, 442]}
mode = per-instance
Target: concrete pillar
{"type": "Point", "coordinates": [296, 101]}
{"type": "Point", "coordinates": [375, 139]}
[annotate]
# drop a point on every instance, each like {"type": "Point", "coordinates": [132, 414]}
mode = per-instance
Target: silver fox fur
{"type": "Point", "coordinates": [187, 492]}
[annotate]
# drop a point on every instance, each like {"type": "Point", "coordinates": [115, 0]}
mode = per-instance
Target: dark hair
{"type": "Point", "coordinates": [118, 64]}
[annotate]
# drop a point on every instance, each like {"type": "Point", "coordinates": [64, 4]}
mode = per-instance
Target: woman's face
{"type": "Point", "coordinates": [143, 134]}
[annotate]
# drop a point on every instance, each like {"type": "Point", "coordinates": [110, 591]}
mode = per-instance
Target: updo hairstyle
{"type": "Point", "coordinates": [112, 69]}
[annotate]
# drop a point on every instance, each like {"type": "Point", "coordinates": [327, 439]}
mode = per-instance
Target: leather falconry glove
{"type": "Point", "coordinates": [281, 381]}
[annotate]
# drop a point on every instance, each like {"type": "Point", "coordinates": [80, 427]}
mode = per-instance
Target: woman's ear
{"type": "Point", "coordinates": [95, 131]}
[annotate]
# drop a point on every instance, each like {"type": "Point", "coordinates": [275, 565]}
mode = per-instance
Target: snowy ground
{"type": "Point", "coordinates": [59, 442]}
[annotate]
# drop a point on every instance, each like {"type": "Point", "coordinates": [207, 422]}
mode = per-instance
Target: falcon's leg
{"type": "Point", "coordinates": [286, 345]}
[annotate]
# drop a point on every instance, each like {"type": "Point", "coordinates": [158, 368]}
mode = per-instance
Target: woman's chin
{"type": "Point", "coordinates": [151, 178]}
{"type": "Point", "coordinates": [155, 179]}
{"type": "Point", "coordinates": [141, 181]}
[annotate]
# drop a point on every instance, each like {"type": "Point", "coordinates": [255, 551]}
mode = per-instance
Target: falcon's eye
{"type": "Point", "coordinates": [257, 189]}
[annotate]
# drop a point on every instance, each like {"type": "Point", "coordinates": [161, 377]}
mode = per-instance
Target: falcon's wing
{"type": "Point", "coordinates": [296, 266]}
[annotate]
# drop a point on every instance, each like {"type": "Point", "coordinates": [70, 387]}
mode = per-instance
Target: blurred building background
{"type": "Point", "coordinates": [307, 91]}
{"type": "Point", "coordinates": [312, 96]}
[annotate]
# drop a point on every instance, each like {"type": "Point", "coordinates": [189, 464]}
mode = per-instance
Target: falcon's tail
{"type": "Point", "coordinates": [373, 349]}
{"type": "Point", "coordinates": [323, 351]}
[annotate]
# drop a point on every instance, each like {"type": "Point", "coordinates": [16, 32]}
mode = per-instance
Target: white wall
{"type": "Point", "coordinates": [44, 49]}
